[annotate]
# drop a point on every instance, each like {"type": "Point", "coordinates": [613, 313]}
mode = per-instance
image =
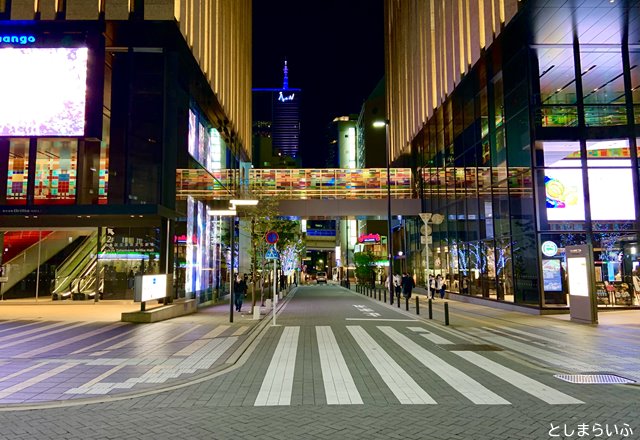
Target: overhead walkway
{"type": "Point", "coordinates": [296, 184]}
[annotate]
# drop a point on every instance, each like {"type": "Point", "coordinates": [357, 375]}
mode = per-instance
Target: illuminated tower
{"type": "Point", "coordinates": [281, 115]}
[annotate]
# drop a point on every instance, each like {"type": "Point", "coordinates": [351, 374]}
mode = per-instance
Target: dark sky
{"type": "Point", "coordinates": [335, 53]}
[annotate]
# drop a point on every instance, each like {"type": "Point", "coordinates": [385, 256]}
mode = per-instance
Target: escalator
{"type": "Point", "coordinates": [75, 277]}
{"type": "Point", "coordinates": [27, 252]}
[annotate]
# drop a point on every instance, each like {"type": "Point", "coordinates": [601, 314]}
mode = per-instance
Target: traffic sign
{"type": "Point", "coordinates": [272, 254]}
{"type": "Point", "coordinates": [271, 237]}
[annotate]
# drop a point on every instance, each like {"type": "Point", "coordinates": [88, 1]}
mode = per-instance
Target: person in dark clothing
{"type": "Point", "coordinates": [407, 285]}
{"type": "Point", "coordinates": [239, 290]}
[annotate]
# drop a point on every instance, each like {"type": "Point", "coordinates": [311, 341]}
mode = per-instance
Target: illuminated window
{"type": "Point", "coordinates": [56, 166]}
{"type": "Point", "coordinates": [18, 171]}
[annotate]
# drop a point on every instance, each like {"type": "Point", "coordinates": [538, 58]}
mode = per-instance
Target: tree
{"type": "Point", "coordinates": [264, 218]}
{"type": "Point", "coordinates": [365, 265]}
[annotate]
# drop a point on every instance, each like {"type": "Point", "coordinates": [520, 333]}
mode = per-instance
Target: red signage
{"type": "Point", "coordinates": [369, 238]}
{"type": "Point", "coordinates": [271, 237]}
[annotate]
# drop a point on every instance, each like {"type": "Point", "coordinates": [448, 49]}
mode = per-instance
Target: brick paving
{"type": "Point", "coordinates": [218, 402]}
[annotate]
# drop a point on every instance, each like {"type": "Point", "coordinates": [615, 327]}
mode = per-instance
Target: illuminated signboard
{"type": "Point", "coordinates": [369, 238]}
{"type": "Point", "coordinates": [283, 98]}
{"type": "Point", "coordinates": [17, 39]}
{"type": "Point", "coordinates": [53, 78]}
{"type": "Point", "coordinates": [578, 276]}
{"type": "Point", "coordinates": [150, 287]}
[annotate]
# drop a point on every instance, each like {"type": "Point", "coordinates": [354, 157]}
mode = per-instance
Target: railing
{"type": "Point", "coordinates": [74, 264]}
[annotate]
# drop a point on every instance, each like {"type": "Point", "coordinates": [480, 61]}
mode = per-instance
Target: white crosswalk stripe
{"type": "Point", "coordinates": [461, 382]}
{"type": "Point", "coordinates": [519, 380]}
{"type": "Point", "coordinates": [401, 384]}
{"type": "Point", "coordinates": [278, 382]}
{"type": "Point", "coordinates": [339, 387]}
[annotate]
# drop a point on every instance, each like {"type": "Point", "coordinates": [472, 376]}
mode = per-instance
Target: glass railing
{"type": "Point", "coordinates": [558, 116]}
{"type": "Point", "coordinates": [605, 115]}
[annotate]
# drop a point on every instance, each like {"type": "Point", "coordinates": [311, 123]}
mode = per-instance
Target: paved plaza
{"type": "Point", "coordinates": [338, 365]}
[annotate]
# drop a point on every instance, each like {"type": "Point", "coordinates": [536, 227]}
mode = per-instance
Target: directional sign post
{"type": "Point", "coordinates": [273, 254]}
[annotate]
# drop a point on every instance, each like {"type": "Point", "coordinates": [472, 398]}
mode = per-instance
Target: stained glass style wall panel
{"type": "Point", "coordinates": [56, 167]}
{"type": "Point", "coordinates": [18, 171]}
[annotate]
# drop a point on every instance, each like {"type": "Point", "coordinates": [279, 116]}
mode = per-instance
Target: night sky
{"type": "Point", "coordinates": [335, 54]}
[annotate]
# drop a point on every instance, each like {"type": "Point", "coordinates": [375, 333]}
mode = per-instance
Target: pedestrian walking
{"type": "Point", "coordinates": [239, 290]}
{"type": "Point", "coordinates": [397, 284]}
{"type": "Point", "coordinates": [432, 286]}
{"type": "Point", "coordinates": [407, 285]}
{"type": "Point", "coordinates": [439, 284]}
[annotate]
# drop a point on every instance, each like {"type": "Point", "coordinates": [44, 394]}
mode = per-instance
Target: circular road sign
{"type": "Point", "coordinates": [271, 237]}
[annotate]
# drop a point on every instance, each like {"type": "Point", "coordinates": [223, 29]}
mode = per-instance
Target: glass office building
{"type": "Point", "coordinates": [536, 149]}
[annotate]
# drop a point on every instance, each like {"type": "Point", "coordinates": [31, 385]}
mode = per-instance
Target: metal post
{"type": "Point", "coordinates": [38, 269]}
{"type": "Point", "coordinates": [430, 309]}
{"type": "Point", "coordinates": [275, 291]}
{"type": "Point", "coordinates": [398, 300]}
{"type": "Point", "coordinates": [446, 313]}
{"type": "Point", "coordinates": [232, 228]}
{"type": "Point", "coordinates": [389, 226]}
{"type": "Point", "coordinates": [385, 295]}
{"type": "Point", "coordinates": [406, 303]}
{"type": "Point", "coordinates": [417, 305]}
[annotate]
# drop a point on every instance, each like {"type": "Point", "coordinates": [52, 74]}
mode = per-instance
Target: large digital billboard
{"type": "Point", "coordinates": [43, 91]}
{"type": "Point", "coordinates": [565, 200]}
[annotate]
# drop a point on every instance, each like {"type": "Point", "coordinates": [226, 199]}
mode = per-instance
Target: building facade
{"type": "Point", "coordinates": [105, 104]}
{"type": "Point", "coordinates": [525, 139]}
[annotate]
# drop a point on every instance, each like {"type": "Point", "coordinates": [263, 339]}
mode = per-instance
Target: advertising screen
{"type": "Point", "coordinates": [551, 275]}
{"type": "Point", "coordinates": [611, 192]}
{"type": "Point", "coordinates": [43, 91]}
{"type": "Point", "coordinates": [564, 195]}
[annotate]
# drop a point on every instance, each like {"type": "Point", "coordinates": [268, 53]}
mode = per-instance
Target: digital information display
{"type": "Point", "coordinates": [43, 91]}
{"type": "Point", "coordinates": [551, 275]}
{"type": "Point", "coordinates": [150, 287]}
{"type": "Point", "coordinates": [578, 276]}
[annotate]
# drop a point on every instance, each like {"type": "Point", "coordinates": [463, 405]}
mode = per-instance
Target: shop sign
{"type": "Point", "coordinates": [549, 248]}
{"type": "Point", "coordinates": [369, 238]}
{"type": "Point", "coordinates": [17, 39]}
{"type": "Point", "coordinates": [150, 287]}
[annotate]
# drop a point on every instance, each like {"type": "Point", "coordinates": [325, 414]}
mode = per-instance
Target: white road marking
{"type": "Point", "coordinates": [519, 380]}
{"type": "Point", "coordinates": [462, 383]}
{"type": "Point", "coordinates": [278, 382]}
{"type": "Point", "coordinates": [339, 386]}
{"type": "Point", "coordinates": [406, 390]}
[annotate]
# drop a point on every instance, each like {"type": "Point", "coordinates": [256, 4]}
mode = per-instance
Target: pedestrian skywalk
{"type": "Point", "coordinates": [386, 351]}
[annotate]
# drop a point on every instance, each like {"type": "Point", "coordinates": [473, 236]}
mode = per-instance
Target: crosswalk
{"type": "Point", "coordinates": [381, 355]}
{"type": "Point", "coordinates": [358, 362]}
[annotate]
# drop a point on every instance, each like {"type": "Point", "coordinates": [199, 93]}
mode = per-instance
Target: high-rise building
{"type": "Point", "coordinates": [103, 105]}
{"type": "Point", "coordinates": [522, 120]}
{"type": "Point", "coordinates": [276, 124]}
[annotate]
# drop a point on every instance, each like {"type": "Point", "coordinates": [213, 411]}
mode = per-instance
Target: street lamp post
{"type": "Point", "coordinates": [385, 124]}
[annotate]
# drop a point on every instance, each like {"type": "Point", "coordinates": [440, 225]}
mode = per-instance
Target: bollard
{"type": "Point", "coordinates": [446, 313]}
{"type": "Point", "coordinates": [417, 306]}
{"type": "Point", "coordinates": [398, 300]}
{"type": "Point", "coordinates": [430, 309]}
{"type": "Point", "coordinates": [380, 294]}
{"type": "Point", "coordinates": [385, 296]}
{"type": "Point", "coordinates": [406, 303]}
